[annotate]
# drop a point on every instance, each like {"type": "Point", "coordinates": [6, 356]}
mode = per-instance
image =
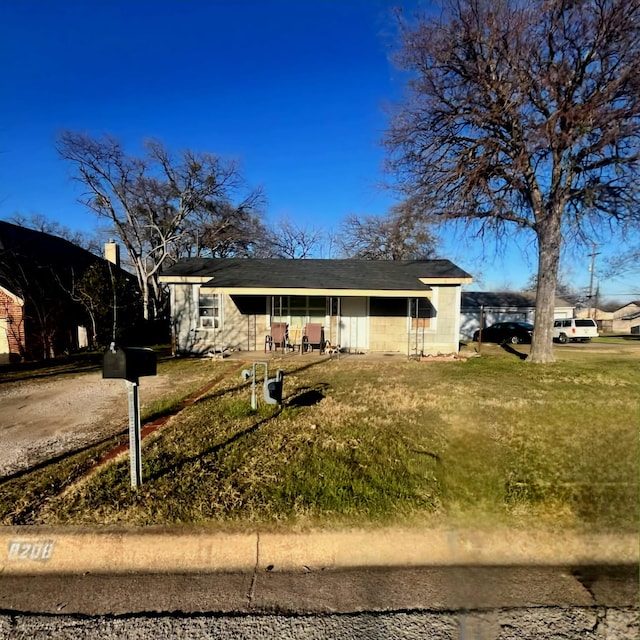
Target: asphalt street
{"type": "Point", "coordinates": [457, 603]}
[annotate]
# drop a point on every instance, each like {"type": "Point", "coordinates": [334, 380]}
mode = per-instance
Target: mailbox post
{"type": "Point", "coordinates": [130, 364]}
{"type": "Point", "coordinates": [135, 444]}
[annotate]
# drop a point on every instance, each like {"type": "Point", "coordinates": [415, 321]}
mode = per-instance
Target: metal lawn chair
{"type": "Point", "coordinates": [279, 336]}
{"type": "Point", "coordinates": [313, 337]}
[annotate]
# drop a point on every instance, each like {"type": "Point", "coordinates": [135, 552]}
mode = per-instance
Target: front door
{"type": "Point", "coordinates": [354, 324]}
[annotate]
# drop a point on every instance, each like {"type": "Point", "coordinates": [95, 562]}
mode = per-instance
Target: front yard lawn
{"type": "Point", "coordinates": [490, 442]}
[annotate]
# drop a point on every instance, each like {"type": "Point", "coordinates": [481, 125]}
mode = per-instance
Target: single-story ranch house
{"type": "Point", "coordinates": [409, 307]}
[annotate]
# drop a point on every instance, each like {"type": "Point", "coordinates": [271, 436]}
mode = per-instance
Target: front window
{"type": "Point", "coordinates": [209, 306]}
{"type": "Point", "coordinates": [421, 313]}
{"type": "Point", "coordinates": [300, 309]}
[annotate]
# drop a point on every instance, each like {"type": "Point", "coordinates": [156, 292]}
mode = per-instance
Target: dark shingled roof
{"type": "Point", "coordinates": [42, 247]}
{"type": "Point", "coordinates": [476, 299]}
{"type": "Point", "coordinates": [316, 274]}
{"type": "Point", "coordinates": [36, 250]}
{"type": "Point", "coordinates": [24, 251]}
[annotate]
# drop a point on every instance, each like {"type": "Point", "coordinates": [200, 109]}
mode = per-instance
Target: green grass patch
{"type": "Point", "coordinates": [617, 338]}
{"type": "Point", "coordinates": [493, 441]}
{"type": "Point", "coordinates": [23, 497]}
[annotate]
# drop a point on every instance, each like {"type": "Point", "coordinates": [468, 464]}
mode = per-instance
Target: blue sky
{"type": "Point", "coordinates": [294, 89]}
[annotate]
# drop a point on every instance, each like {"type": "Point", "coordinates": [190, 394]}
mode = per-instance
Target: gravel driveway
{"type": "Point", "coordinates": [40, 419]}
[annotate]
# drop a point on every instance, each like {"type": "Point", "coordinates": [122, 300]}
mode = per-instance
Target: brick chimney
{"type": "Point", "coordinates": [112, 252]}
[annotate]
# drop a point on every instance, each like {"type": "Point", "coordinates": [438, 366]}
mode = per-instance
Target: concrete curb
{"type": "Point", "coordinates": [43, 550]}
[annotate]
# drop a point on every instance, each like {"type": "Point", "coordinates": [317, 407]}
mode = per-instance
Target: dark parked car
{"type": "Point", "coordinates": [513, 332]}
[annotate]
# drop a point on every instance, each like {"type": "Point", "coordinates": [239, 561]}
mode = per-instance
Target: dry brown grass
{"type": "Point", "coordinates": [493, 441]}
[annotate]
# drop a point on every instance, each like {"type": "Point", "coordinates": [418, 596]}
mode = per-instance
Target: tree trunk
{"type": "Point", "coordinates": [549, 239]}
{"type": "Point", "coordinates": [94, 330]}
{"type": "Point", "coordinates": [145, 300]}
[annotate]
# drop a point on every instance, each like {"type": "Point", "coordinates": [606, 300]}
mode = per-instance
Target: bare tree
{"type": "Point", "coordinates": [402, 234]}
{"type": "Point", "coordinates": [288, 239]}
{"type": "Point", "coordinates": [148, 200]}
{"type": "Point", "coordinates": [524, 114]}
{"type": "Point", "coordinates": [625, 262]}
{"type": "Point", "coordinates": [564, 289]}
{"type": "Point", "coordinates": [224, 230]}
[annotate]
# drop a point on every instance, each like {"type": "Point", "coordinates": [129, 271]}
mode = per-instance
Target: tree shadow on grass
{"type": "Point", "coordinates": [302, 397]}
{"type": "Point", "coordinates": [307, 396]}
{"type": "Point", "coordinates": [174, 465]}
{"type": "Point", "coordinates": [509, 349]}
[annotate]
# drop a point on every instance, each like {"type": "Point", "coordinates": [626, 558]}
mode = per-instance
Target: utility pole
{"type": "Point", "coordinates": [594, 253]}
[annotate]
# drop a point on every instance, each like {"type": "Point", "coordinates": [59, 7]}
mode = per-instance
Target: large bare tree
{"type": "Point", "coordinates": [149, 201]}
{"type": "Point", "coordinates": [224, 230]}
{"type": "Point", "coordinates": [402, 234]}
{"type": "Point", "coordinates": [289, 239]}
{"type": "Point", "coordinates": [523, 115]}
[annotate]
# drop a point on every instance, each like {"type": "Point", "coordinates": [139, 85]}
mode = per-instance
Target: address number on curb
{"type": "Point", "coordinates": [38, 551]}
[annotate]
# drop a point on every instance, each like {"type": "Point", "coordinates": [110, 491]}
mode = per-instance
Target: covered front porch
{"type": "Point", "coordinates": [354, 324]}
{"type": "Point", "coordinates": [362, 306]}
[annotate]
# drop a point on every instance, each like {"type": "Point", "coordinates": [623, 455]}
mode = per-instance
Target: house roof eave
{"type": "Point", "coordinates": [291, 291]}
{"type": "Point", "coordinates": [446, 281]}
{"type": "Point", "coordinates": [177, 279]}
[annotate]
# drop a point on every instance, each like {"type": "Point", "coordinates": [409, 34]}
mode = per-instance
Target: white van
{"type": "Point", "coordinates": [578, 329]}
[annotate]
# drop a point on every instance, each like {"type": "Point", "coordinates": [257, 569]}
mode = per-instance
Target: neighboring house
{"type": "Point", "coordinates": [410, 307]}
{"type": "Point", "coordinates": [12, 339]}
{"type": "Point", "coordinates": [37, 271]}
{"type": "Point", "coordinates": [604, 319]}
{"type": "Point", "coordinates": [40, 317]}
{"type": "Point", "coordinates": [626, 319]}
{"type": "Point", "coordinates": [502, 307]}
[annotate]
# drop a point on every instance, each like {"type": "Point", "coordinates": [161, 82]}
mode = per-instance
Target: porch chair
{"type": "Point", "coordinates": [313, 337]}
{"type": "Point", "coordinates": [279, 336]}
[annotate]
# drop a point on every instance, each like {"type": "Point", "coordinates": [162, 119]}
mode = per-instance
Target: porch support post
{"type": "Point", "coordinates": [408, 328]}
{"type": "Point", "coordinates": [338, 321]}
{"type": "Point", "coordinates": [416, 316]}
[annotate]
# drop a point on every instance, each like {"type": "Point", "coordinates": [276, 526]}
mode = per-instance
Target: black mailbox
{"type": "Point", "coordinates": [129, 363]}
